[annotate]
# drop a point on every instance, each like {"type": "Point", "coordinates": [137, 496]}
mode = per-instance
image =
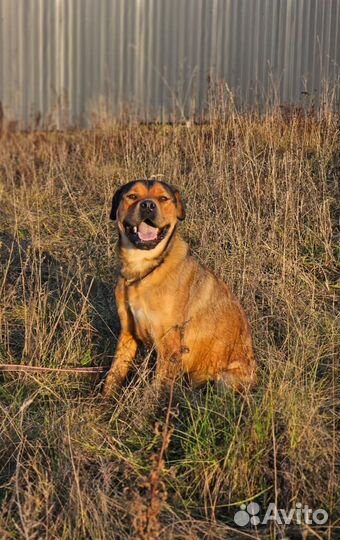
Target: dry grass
{"type": "Point", "coordinates": [263, 212]}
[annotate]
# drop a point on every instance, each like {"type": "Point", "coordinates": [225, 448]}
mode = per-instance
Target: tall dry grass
{"type": "Point", "coordinates": [262, 196]}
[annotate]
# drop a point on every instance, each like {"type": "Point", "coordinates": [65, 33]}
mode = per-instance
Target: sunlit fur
{"type": "Point", "coordinates": [166, 299]}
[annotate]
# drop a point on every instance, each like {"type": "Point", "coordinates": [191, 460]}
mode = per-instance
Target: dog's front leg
{"type": "Point", "coordinates": [126, 347]}
{"type": "Point", "coordinates": [169, 359]}
{"type": "Point", "coordinates": [124, 356]}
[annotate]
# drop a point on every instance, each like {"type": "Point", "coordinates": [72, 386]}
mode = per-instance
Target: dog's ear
{"type": "Point", "coordinates": [115, 202]}
{"type": "Point", "coordinates": [117, 198]}
{"type": "Point", "coordinates": [179, 205]}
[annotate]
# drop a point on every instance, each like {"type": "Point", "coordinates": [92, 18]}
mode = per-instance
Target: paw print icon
{"type": "Point", "coordinates": [247, 515]}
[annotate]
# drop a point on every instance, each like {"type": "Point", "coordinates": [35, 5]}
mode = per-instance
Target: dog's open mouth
{"type": "Point", "coordinates": [145, 235]}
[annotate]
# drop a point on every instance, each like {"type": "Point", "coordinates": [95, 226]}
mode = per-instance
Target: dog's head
{"type": "Point", "coordinates": [146, 212]}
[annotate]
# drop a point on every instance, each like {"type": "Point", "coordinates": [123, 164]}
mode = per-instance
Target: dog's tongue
{"type": "Point", "coordinates": [147, 232]}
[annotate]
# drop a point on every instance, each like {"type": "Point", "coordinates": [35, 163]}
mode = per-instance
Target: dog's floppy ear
{"type": "Point", "coordinates": [115, 202]}
{"type": "Point", "coordinates": [117, 198]}
{"type": "Point", "coordinates": [179, 204]}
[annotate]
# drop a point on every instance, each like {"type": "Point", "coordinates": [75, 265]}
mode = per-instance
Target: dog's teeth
{"type": "Point", "coordinates": [134, 229]}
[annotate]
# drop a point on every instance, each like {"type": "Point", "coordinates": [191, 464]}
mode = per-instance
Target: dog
{"type": "Point", "coordinates": [166, 299]}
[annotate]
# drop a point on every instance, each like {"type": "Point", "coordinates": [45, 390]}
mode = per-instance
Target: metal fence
{"type": "Point", "coordinates": [70, 62]}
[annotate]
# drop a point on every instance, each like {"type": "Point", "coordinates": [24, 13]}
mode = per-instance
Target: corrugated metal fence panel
{"type": "Point", "coordinates": [68, 62]}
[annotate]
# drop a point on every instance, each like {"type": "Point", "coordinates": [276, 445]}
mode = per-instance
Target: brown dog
{"type": "Point", "coordinates": [167, 299]}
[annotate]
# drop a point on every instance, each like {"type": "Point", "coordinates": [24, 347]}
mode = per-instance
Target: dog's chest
{"type": "Point", "coordinates": [146, 315]}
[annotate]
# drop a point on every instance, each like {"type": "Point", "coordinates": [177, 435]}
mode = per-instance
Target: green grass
{"type": "Point", "coordinates": [262, 196]}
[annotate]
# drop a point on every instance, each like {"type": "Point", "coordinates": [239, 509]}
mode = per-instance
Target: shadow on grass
{"type": "Point", "coordinates": [33, 276]}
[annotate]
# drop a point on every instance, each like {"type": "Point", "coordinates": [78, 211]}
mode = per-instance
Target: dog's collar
{"type": "Point", "coordinates": [132, 281]}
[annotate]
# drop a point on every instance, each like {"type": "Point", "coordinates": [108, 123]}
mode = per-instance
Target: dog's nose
{"type": "Point", "coordinates": [148, 206]}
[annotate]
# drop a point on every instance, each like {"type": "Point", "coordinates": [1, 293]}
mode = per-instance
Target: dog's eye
{"type": "Point", "coordinates": [163, 198]}
{"type": "Point", "coordinates": [132, 196]}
